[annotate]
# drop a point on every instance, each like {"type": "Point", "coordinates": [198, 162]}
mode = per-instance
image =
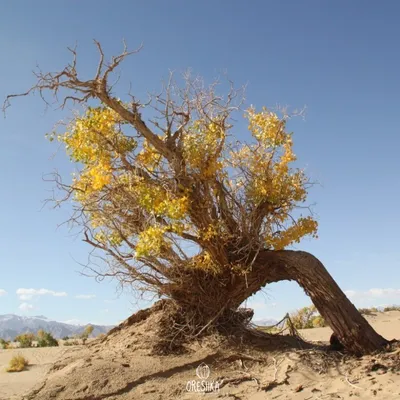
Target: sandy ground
{"type": "Point", "coordinates": [123, 368]}
{"type": "Point", "coordinates": [387, 324]}
{"type": "Point", "coordinates": [40, 360]}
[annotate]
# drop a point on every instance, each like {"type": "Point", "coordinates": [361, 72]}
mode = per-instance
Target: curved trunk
{"type": "Point", "coordinates": [351, 328]}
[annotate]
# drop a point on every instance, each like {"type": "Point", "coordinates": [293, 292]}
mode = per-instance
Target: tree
{"type": "Point", "coordinates": [307, 317]}
{"type": "Point", "coordinates": [303, 318]}
{"type": "Point", "coordinates": [87, 332]}
{"type": "Point", "coordinates": [25, 339]}
{"type": "Point", "coordinates": [40, 335]}
{"type": "Point", "coordinates": [180, 208]}
{"type": "Point", "coordinates": [45, 339]}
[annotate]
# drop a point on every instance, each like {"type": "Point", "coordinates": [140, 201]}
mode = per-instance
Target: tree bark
{"type": "Point", "coordinates": [351, 328]}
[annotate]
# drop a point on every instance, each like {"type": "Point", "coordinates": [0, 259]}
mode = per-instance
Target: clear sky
{"type": "Point", "coordinates": [341, 59]}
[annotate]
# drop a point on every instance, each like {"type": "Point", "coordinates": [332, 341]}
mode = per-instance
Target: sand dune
{"type": "Point", "coordinates": [123, 368]}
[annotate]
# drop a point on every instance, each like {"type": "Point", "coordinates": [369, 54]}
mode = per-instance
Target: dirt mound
{"type": "Point", "coordinates": [123, 366]}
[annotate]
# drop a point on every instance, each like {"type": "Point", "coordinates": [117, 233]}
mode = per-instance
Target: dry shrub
{"type": "Point", "coordinates": [368, 311]}
{"type": "Point", "coordinates": [391, 308]}
{"type": "Point", "coordinates": [17, 364]}
{"type": "Point", "coordinates": [269, 329]}
{"type": "Point", "coordinates": [71, 343]}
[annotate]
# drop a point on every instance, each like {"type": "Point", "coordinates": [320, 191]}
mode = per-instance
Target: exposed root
{"type": "Point", "coordinates": [175, 328]}
{"type": "Point", "coordinates": [274, 383]}
{"type": "Point", "coordinates": [321, 360]}
{"type": "Point", "coordinates": [178, 326]}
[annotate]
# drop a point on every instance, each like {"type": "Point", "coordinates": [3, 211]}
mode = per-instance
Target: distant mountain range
{"type": "Point", "coordinates": [13, 325]}
{"type": "Point", "coordinates": [264, 322]}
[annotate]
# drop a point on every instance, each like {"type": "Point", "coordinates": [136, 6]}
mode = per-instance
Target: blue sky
{"type": "Point", "coordinates": [338, 58]}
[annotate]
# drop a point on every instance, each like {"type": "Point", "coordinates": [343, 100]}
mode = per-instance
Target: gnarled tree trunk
{"type": "Point", "coordinates": [208, 300]}
{"type": "Point", "coordinates": [351, 328]}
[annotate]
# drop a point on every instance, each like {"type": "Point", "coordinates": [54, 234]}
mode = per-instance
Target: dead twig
{"type": "Point", "coordinates": [352, 384]}
{"type": "Point", "coordinates": [274, 383]}
{"type": "Point", "coordinates": [276, 369]}
{"type": "Point", "coordinates": [238, 379]}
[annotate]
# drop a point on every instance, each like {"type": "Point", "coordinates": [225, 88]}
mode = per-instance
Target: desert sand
{"type": "Point", "coordinates": [122, 367]}
{"type": "Point", "coordinates": [40, 360]}
{"type": "Point", "coordinates": [385, 323]}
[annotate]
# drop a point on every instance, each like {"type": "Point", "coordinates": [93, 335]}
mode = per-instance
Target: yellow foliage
{"type": "Point", "coordinates": [202, 148]}
{"type": "Point", "coordinates": [210, 232]}
{"type": "Point", "coordinates": [148, 157]}
{"type": "Point", "coordinates": [118, 170]}
{"type": "Point", "coordinates": [205, 262]}
{"type": "Point", "coordinates": [151, 241]}
{"type": "Point", "coordinates": [96, 140]}
{"type": "Point", "coordinates": [293, 234]}
{"type": "Point", "coordinates": [318, 322]}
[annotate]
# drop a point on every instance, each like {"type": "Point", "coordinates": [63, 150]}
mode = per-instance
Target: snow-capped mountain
{"type": "Point", "coordinates": [12, 325]}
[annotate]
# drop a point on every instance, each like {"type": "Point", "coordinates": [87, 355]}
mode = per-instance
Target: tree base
{"type": "Point", "coordinates": [180, 326]}
{"type": "Point", "coordinates": [172, 330]}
